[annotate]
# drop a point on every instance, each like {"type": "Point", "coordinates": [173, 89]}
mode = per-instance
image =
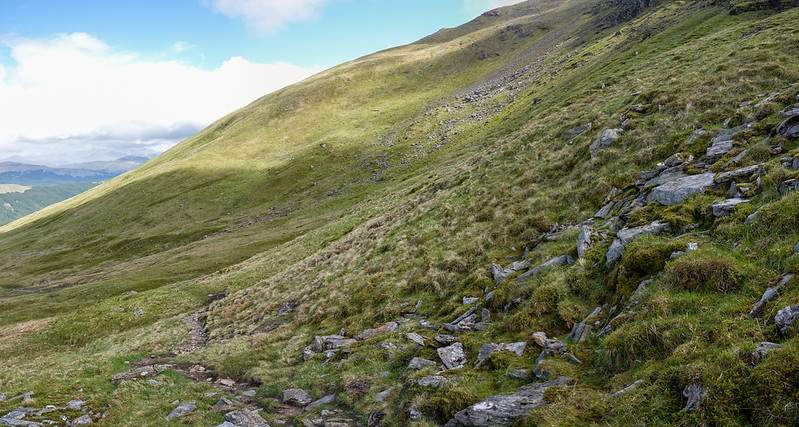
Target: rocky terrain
{"type": "Point", "coordinates": [561, 213]}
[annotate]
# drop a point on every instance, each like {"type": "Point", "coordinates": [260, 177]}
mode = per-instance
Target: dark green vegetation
{"type": "Point", "coordinates": [338, 203]}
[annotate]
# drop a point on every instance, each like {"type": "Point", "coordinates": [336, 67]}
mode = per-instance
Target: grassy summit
{"type": "Point", "coordinates": [384, 189]}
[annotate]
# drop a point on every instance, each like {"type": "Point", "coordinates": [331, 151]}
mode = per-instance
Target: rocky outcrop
{"type": "Point", "coordinates": [680, 189]}
{"type": "Point", "coordinates": [554, 262]}
{"type": "Point", "coordinates": [244, 418]}
{"type": "Point", "coordinates": [505, 409]}
{"type": "Point", "coordinates": [627, 235]}
{"type": "Point", "coordinates": [789, 128]}
{"type": "Point", "coordinates": [769, 295]}
{"type": "Point", "coordinates": [488, 350]}
{"type": "Point", "coordinates": [584, 240]}
{"type": "Point", "coordinates": [746, 172]}
{"type": "Point", "coordinates": [726, 207]}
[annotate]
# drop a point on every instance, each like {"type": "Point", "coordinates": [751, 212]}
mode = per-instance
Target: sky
{"type": "Point", "coordinates": [86, 80]}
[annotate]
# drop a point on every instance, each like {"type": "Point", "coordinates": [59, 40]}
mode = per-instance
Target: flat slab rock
{"type": "Point", "coordinates": [680, 189]}
{"type": "Point", "coordinates": [244, 418]}
{"type": "Point", "coordinates": [505, 409]}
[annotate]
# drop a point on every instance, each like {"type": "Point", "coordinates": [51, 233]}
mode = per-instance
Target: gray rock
{"type": "Point", "coordinates": [680, 189]}
{"type": "Point", "coordinates": [182, 410]}
{"type": "Point", "coordinates": [628, 235]}
{"type": "Point", "coordinates": [789, 186]}
{"type": "Point", "coordinates": [464, 322]}
{"type": "Point", "coordinates": [485, 315]}
{"type": "Point", "coordinates": [769, 295]}
{"type": "Point", "coordinates": [762, 349]}
{"type": "Point", "coordinates": [83, 420]}
{"type": "Point", "coordinates": [520, 374]}
{"type": "Point", "coordinates": [694, 395]}
{"type": "Point", "coordinates": [140, 372]}
{"type": "Point", "coordinates": [75, 405]}
{"type": "Point", "coordinates": [487, 350]}
{"type": "Point", "coordinates": [416, 338]}
{"type": "Point", "coordinates": [695, 135]}
{"type": "Point", "coordinates": [328, 399]}
{"type": "Point", "coordinates": [414, 414]}
{"type": "Point", "coordinates": [470, 300]}
{"type": "Point", "coordinates": [789, 128]}
{"type": "Point", "coordinates": [506, 409]}
{"type": "Point", "coordinates": [796, 249]}
{"type": "Point", "coordinates": [433, 381]}
{"type": "Point", "coordinates": [499, 274]}
{"type": "Point", "coordinates": [605, 139]}
{"type": "Point", "coordinates": [296, 397]}
{"type": "Point", "coordinates": [663, 177]}
{"type": "Point", "coordinates": [331, 342]}
{"type": "Point", "coordinates": [13, 422]}
{"type": "Point", "coordinates": [245, 418]}
{"type": "Point", "coordinates": [383, 395]}
{"type": "Point", "coordinates": [718, 149]}
{"type": "Point", "coordinates": [419, 363]}
{"type": "Point", "coordinates": [453, 357]}
{"type": "Point", "coordinates": [2, 397]}
{"type": "Point", "coordinates": [584, 240]}
{"type": "Point", "coordinates": [791, 163]}
{"type": "Point", "coordinates": [371, 333]}
{"type": "Point", "coordinates": [746, 172]}
{"type": "Point", "coordinates": [785, 318]}
{"type": "Point", "coordinates": [626, 390]}
{"type": "Point", "coordinates": [554, 262]}
{"type": "Point", "coordinates": [570, 134]}
{"type": "Point", "coordinates": [443, 339]}
{"type": "Point", "coordinates": [726, 207]}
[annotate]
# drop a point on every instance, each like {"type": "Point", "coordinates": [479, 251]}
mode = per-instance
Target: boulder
{"type": "Point", "coordinates": [182, 410]}
{"type": "Point", "coordinates": [746, 172]}
{"type": "Point", "coordinates": [453, 357]}
{"type": "Point", "coordinates": [584, 240]}
{"type": "Point", "coordinates": [785, 318]}
{"type": "Point", "coordinates": [726, 207]}
{"type": "Point", "coordinates": [678, 190]}
{"type": "Point", "coordinates": [769, 295]}
{"type": "Point", "coordinates": [762, 349]}
{"type": "Point", "coordinates": [488, 350]}
{"type": "Point", "coordinates": [554, 262]}
{"type": "Point", "coordinates": [505, 409]}
{"type": "Point", "coordinates": [245, 418]}
{"type": "Point", "coordinates": [419, 363]}
{"type": "Point", "coordinates": [694, 395]}
{"type": "Point", "coordinates": [433, 381]}
{"type": "Point", "coordinates": [605, 139]}
{"type": "Point", "coordinates": [371, 333]}
{"type": "Point", "coordinates": [296, 397]}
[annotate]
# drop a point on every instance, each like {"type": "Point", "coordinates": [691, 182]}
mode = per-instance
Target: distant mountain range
{"type": "Point", "coordinates": [27, 174]}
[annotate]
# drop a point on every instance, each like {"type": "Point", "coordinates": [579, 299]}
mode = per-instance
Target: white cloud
{"type": "Point", "coordinates": [265, 16]}
{"type": "Point", "coordinates": [74, 96]}
{"type": "Point", "coordinates": [480, 6]}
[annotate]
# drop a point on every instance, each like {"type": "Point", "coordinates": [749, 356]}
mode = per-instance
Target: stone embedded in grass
{"type": "Point", "coordinates": [444, 339]}
{"type": "Point", "coordinates": [296, 397]}
{"type": "Point", "coordinates": [75, 405]}
{"type": "Point", "coordinates": [245, 418]}
{"type": "Point", "coordinates": [718, 149]}
{"type": "Point", "coordinates": [605, 139]}
{"type": "Point", "coordinates": [489, 349]}
{"type": "Point", "coordinates": [331, 342]}
{"type": "Point", "coordinates": [470, 300]}
{"type": "Point", "coordinates": [83, 420]}
{"type": "Point", "coordinates": [584, 240]}
{"type": "Point", "coordinates": [694, 395]}
{"type": "Point", "coordinates": [433, 381]}
{"type": "Point", "coordinates": [505, 409]}
{"type": "Point", "coordinates": [453, 357]}
{"type": "Point", "coordinates": [746, 172]}
{"type": "Point", "coordinates": [520, 374]}
{"type": "Point", "coordinates": [570, 134]}
{"type": "Point", "coordinates": [371, 333]}
{"type": "Point", "coordinates": [789, 186]}
{"type": "Point", "coordinates": [789, 128]}
{"type": "Point", "coordinates": [383, 395]}
{"type": "Point", "coordinates": [420, 363]}
{"type": "Point", "coordinates": [140, 372]}
{"type": "Point", "coordinates": [328, 399]}
{"type": "Point", "coordinates": [415, 338]}
{"type": "Point", "coordinates": [796, 249]}
{"type": "Point", "coordinates": [554, 262]}
{"type": "Point", "coordinates": [726, 207]}
{"type": "Point", "coordinates": [628, 235]}
{"type": "Point", "coordinates": [182, 410]}
{"type": "Point", "coordinates": [678, 190]}
{"type": "Point", "coordinates": [785, 318]}
{"type": "Point", "coordinates": [769, 295]}
{"type": "Point", "coordinates": [762, 349]}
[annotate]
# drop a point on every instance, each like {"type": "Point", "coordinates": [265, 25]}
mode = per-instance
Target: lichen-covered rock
{"type": "Point", "coordinates": [433, 381]}
{"type": "Point", "coordinates": [505, 409]}
{"type": "Point", "coordinates": [680, 189]}
{"type": "Point", "coordinates": [453, 357]}
{"type": "Point", "coordinates": [785, 318]}
{"type": "Point", "coordinates": [415, 338]}
{"type": "Point", "coordinates": [83, 420]}
{"type": "Point", "coordinates": [718, 149]}
{"type": "Point", "coordinates": [420, 363]}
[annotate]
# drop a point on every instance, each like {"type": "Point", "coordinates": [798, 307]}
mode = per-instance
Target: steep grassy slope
{"type": "Point", "coordinates": [385, 188]}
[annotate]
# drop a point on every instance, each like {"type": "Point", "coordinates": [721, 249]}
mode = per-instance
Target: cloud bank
{"type": "Point", "coordinates": [74, 98]}
{"type": "Point", "coordinates": [264, 16]}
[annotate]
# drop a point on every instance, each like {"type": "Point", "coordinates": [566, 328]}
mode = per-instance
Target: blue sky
{"type": "Point", "coordinates": [78, 79]}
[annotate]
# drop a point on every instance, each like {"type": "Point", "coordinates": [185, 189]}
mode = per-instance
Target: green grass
{"type": "Point", "coordinates": [370, 187]}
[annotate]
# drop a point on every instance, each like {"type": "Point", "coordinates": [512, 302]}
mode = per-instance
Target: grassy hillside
{"type": "Point", "coordinates": [17, 204]}
{"type": "Point", "coordinates": [384, 189]}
